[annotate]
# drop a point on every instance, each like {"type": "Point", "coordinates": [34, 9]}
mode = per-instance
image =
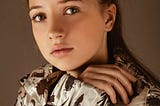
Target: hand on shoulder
{"type": "Point", "coordinates": [110, 78]}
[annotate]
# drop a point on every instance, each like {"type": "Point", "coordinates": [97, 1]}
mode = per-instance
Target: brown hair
{"type": "Point", "coordinates": [115, 40]}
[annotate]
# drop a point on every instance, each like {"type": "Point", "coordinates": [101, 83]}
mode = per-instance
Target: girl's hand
{"type": "Point", "coordinates": [111, 79]}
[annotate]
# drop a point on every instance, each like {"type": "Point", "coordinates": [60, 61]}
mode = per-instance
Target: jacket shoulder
{"type": "Point", "coordinates": [34, 86]}
{"type": "Point", "coordinates": [39, 73]}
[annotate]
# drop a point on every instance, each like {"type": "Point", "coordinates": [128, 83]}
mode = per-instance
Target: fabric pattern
{"type": "Point", "coordinates": [47, 86]}
{"type": "Point", "coordinates": [72, 92]}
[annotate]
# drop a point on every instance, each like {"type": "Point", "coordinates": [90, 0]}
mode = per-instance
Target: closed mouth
{"type": "Point", "coordinates": [61, 52]}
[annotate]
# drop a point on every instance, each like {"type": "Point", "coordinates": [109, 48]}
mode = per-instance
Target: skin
{"type": "Point", "coordinates": [54, 23]}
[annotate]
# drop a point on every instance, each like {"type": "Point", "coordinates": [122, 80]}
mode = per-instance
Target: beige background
{"type": "Point", "coordinates": [19, 55]}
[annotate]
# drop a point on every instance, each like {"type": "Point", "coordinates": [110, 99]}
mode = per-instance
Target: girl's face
{"type": "Point", "coordinates": [69, 33]}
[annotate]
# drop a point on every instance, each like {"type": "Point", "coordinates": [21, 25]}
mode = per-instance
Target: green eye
{"type": "Point", "coordinates": [39, 17]}
{"type": "Point", "coordinates": [71, 11]}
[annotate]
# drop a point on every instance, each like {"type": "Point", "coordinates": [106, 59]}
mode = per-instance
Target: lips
{"type": "Point", "coordinates": [60, 51]}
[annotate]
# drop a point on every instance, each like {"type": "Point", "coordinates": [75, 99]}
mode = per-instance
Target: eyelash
{"type": "Point", "coordinates": [41, 16]}
{"type": "Point", "coordinates": [71, 8]}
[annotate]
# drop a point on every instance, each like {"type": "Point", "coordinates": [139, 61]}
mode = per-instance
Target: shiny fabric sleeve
{"type": "Point", "coordinates": [27, 94]}
{"type": "Point", "coordinates": [153, 97]}
{"type": "Point", "coordinates": [19, 100]}
{"type": "Point", "coordinates": [22, 94]}
{"type": "Point", "coordinates": [35, 86]}
{"type": "Point", "coordinates": [22, 98]}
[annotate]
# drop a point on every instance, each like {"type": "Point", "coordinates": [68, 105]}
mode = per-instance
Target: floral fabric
{"type": "Point", "coordinates": [47, 86]}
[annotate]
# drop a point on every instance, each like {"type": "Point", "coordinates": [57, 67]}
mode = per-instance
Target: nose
{"type": "Point", "coordinates": [55, 36]}
{"type": "Point", "coordinates": [56, 29]}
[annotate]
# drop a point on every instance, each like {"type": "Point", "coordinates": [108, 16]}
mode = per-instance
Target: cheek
{"type": "Point", "coordinates": [37, 37]}
{"type": "Point", "coordinates": [88, 31]}
{"type": "Point", "coordinates": [39, 32]}
{"type": "Point", "coordinates": [40, 39]}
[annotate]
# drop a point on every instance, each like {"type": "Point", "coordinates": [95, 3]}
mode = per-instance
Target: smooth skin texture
{"type": "Point", "coordinates": [70, 24]}
{"type": "Point", "coordinates": [81, 25]}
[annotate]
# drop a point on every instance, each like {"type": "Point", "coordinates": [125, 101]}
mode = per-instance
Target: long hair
{"type": "Point", "coordinates": [115, 40]}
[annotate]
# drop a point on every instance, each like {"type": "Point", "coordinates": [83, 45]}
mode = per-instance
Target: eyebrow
{"type": "Point", "coordinates": [34, 7]}
{"type": "Point", "coordinates": [62, 1]}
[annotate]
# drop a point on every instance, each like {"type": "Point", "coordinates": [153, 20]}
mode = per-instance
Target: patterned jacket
{"type": "Point", "coordinates": [47, 86]}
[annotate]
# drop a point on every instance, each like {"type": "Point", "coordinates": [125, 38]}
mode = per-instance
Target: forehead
{"type": "Point", "coordinates": [57, 2]}
{"type": "Point", "coordinates": [61, 1]}
{"type": "Point", "coordinates": [68, 0]}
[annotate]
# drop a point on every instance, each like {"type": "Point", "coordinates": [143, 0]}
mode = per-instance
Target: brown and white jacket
{"type": "Point", "coordinates": [47, 86]}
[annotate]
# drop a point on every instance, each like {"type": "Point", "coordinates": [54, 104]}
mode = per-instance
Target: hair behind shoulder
{"type": "Point", "coordinates": [115, 40]}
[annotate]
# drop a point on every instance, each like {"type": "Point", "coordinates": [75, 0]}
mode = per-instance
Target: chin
{"type": "Point", "coordinates": [67, 67]}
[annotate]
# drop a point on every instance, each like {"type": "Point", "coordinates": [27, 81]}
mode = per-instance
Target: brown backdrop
{"type": "Point", "coordinates": [19, 55]}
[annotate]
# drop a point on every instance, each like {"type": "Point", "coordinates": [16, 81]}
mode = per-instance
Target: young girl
{"type": "Point", "coordinates": [89, 63]}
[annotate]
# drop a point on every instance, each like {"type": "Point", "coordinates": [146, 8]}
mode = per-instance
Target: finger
{"type": "Point", "coordinates": [130, 77]}
{"type": "Point", "coordinates": [109, 79]}
{"type": "Point", "coordinates": [105, 87]}
{"type": "Point", "coordinates": [113, 66]}
{"type": "Point", "coordinates": [124, 71]}
{"type": "Point", "coordinates": [121, 91]}
{"type": "Point", "coordinates": [111, 72]}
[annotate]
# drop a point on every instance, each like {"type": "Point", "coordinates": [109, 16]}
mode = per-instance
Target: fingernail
{"type": "Point", "coordinates": [127, 102]}
{"type": "Point", "coordinates": [115, 101]}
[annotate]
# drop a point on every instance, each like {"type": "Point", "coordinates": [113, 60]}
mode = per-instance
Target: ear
{"type": "Point", "coordinates": [109, 17]}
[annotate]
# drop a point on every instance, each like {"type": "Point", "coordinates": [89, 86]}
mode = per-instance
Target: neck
{"type": "Point", "coordinates": [76, 72]}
